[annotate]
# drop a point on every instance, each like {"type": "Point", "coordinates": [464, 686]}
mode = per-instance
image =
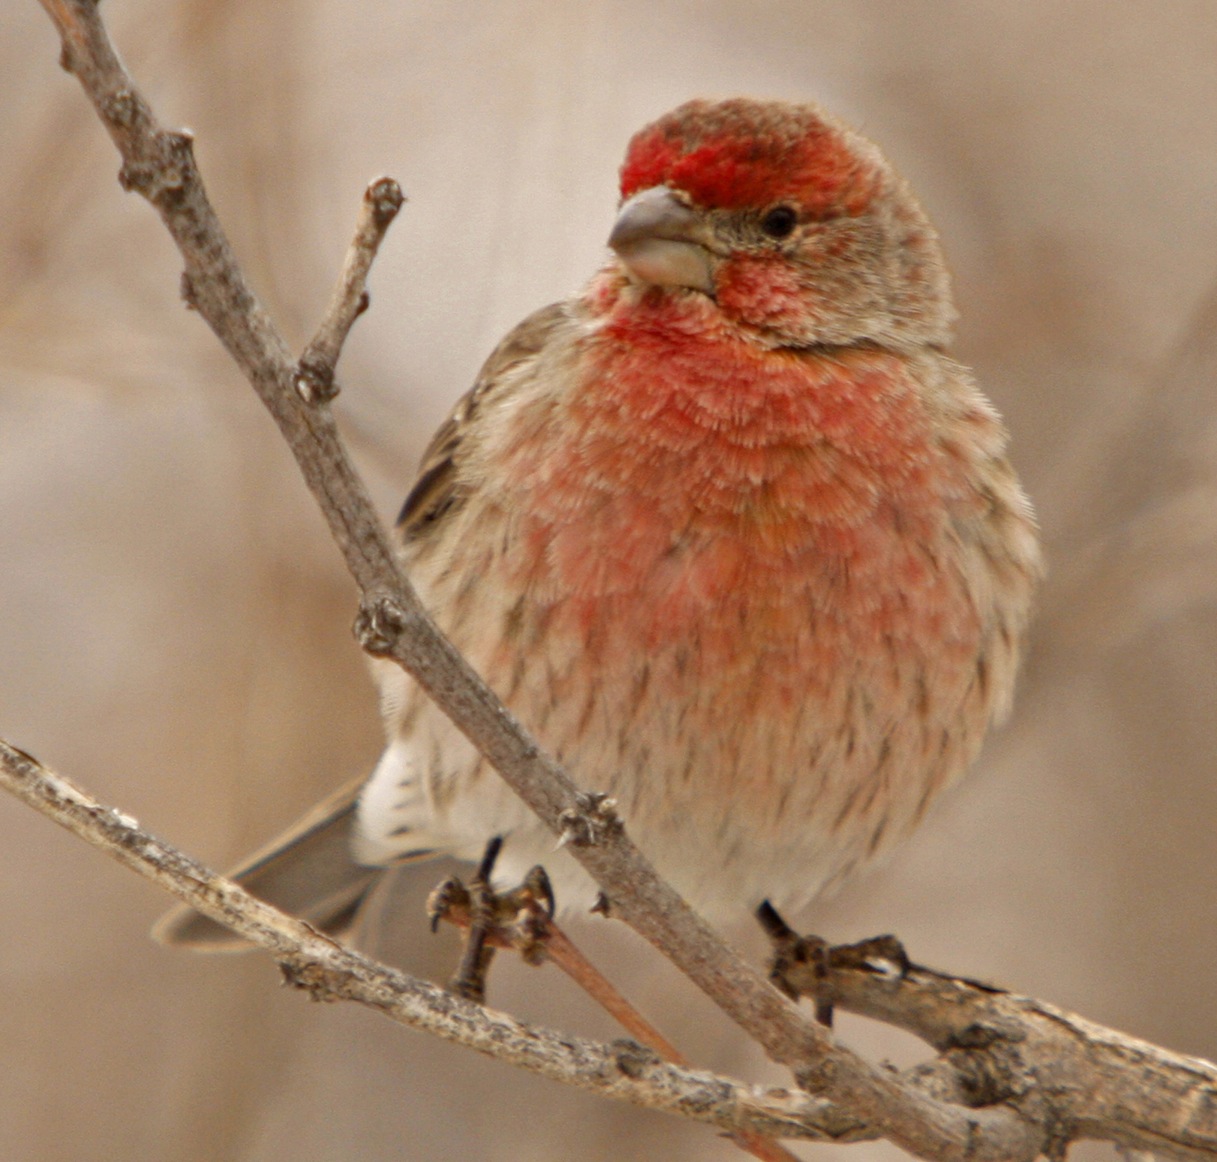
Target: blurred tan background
{"type": "Point", "coordinates": [174, 621]}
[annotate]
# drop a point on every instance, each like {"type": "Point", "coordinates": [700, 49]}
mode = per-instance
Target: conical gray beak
{"type": "Point", "coordinates": [660, 241]}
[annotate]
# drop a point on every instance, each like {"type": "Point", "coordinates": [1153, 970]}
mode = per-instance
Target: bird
{"type": "Point", "coordinates": [729, 531]}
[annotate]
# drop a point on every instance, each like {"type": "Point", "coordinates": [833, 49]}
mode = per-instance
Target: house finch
{"type": "Point", "coordinates": [728, 531]}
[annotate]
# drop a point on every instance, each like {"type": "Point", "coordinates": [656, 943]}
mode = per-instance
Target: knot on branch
{"type": "Point", "coordinates": [120, 108]}
{"type": "Point", "coordinates": [385, 199]}
{"type": "Point", "coordinates": [315, 382]}
{"type": "Point", "coordinates": [321, 984]}
{"type": "Point", "coordinates": [379, 625]}
{"type": "Point", "coordinates": [633, 1059]}
{"type": "Point", "coordinates": [989, 1075]}
{"type": "Point", "coordinates": [818, 1077]}
{"type": "Point", "coordinates": [590, 821]}
{"type": "Point", "coordinates": [163, 177]}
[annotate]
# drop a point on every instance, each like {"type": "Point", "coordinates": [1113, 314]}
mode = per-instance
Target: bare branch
{"type": "Point", "coordinates": [1055, 1068]}
{"type": "Point", "coordinates": [381, 202]}
{"type": "Point", "coordinates": [623, 1070]}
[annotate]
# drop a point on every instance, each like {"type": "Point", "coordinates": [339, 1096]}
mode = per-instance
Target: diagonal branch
{"type": "Point", "coordinates": [159, 164]}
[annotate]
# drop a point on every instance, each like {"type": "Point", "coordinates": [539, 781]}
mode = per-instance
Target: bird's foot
{"type": "Point", "coordinates": [801, 966]}
{"type": "Point", "coordinates": [518, 918]}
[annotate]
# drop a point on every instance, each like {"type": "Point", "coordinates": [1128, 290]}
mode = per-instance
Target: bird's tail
{"type": "Point", "coordinates": [307, 871]}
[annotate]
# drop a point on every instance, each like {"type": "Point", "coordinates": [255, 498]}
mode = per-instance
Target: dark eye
{"type": "Point", "coordinates": [780, 221]}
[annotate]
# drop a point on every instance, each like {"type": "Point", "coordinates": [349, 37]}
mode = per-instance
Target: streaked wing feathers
{"type": "Point", "coordinates": [436, 489]}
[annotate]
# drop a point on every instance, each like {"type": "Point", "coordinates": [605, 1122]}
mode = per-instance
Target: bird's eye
{"type": "Point", "coordinates": [780, 221]}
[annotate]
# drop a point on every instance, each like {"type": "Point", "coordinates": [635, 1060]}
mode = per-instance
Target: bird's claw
{"type": "Point", "coordinates": [518, 918]}
{"type": "Point", "coordinates": [801, 965]}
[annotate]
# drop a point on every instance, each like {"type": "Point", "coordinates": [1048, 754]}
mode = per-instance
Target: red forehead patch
{"type": "Point", "coordinates": [733, 154]}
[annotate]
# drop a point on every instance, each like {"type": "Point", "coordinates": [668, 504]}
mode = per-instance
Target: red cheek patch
{"type": "Point", "coordinates": [764, 291]}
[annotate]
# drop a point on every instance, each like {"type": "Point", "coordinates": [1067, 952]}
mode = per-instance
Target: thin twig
{"type": "Point", "coordinates": [381, 202]}
{"type": "Point", "coordinates": [570, 959]}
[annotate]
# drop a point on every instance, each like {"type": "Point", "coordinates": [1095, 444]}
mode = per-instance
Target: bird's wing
{"type": "Point", "coordinates": [306, 870]}
{"type": "Point", "coordinates": [436, 488]}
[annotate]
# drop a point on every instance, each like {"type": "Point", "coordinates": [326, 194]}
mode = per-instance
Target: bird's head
{"type": "Point", "coordinates": [795, 226]}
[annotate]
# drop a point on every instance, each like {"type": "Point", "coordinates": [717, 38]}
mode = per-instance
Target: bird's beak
{"type": "Point", "coordinates": [661, 241]}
